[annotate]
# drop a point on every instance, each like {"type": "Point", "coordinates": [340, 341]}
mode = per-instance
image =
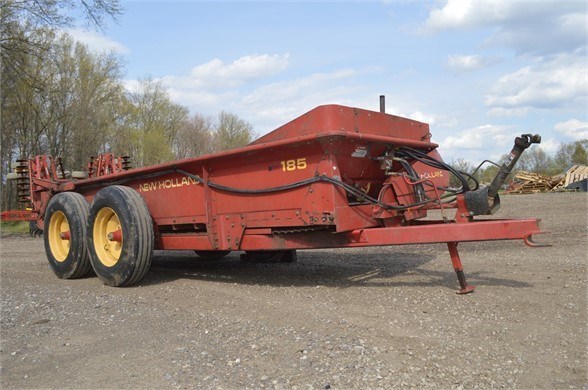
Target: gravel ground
{"type": "Point", "coordinates": [369, 318]}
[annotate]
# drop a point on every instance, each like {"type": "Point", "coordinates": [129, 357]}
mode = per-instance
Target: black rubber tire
{"type": "Point", "coordinates": [75, 208]}
{"type": "Point", "coordinates": [212, 255]}
{"type": "Point", "coordinates": [137, 236]}
{"type": "Point", "coordinates": [287, 256]}
{"type": "Point", "coordinates": [35, 231]}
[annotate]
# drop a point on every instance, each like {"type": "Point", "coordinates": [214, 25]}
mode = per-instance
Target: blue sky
{"type": "Point", "coordinates": [478, 72]}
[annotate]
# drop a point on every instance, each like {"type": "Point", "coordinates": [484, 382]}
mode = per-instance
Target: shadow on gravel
{"type": "Point", "coordinates": [343, 270]}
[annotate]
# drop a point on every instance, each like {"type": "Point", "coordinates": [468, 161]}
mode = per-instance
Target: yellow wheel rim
{"type": "Point", "coordinates": [106, 224]}
{"type": "Point", "coordinates": [58, 226]}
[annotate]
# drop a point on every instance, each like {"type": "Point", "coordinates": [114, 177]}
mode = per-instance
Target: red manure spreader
{"type": "Point", "coordinates": [335, 177]}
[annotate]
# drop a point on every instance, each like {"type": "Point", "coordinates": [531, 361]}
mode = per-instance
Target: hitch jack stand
{"type": "Point", "coordinates": [456, 261]}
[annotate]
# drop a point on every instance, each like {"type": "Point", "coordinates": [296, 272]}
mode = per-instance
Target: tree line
{"type": "Point", "coordinates": [534, 159]}
{"type": "Point", "coordinates": [60, 98]}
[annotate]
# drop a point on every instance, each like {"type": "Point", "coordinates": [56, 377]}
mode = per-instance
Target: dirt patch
{"type": "Point", "coordinates": [356, 318]}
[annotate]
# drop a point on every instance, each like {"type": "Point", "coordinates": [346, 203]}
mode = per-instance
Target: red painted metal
{"type": "Point", "coordinates": [106, 164]}
{"type": "Point", "coordinates": [18, 215]}
{"type": "Point", "coordinates": [456, 261]}
{"type": "Point", "coordinates": [329, 147]}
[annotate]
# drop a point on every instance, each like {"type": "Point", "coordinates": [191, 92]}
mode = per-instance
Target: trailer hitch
{"type": "Point", "coordinates": [485, 200]}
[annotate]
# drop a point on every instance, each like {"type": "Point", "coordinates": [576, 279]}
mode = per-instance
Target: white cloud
{"type": "Point", "coordinates": [277, 103]}
{"type": "Point", "coordinates": [215, 85]}
{"type": "Point", "coordinates": [216, 74]}
{"type": "Point", "coordinates": [545, 34]}
{"type": "Point", "coordinates": [528, 26]}
{"type": "Point", "coordinates": [549, 83]}
{"type": "Point", "coordinates": [455, 14]}
{"type": "Point", "coordinates": [423, 117]}
{"type": "Point", "coordinates": [573, 129]}
{"type": "Point", "coordinates": [132, 86]}
{"type": "Point", "coordinates": [244, 68]}
{"type": "Point", "coordinates": [97, 42]}
{"type": "Point", "coordinates": [242, 87]}
{"type": "Point", "coordinates": [467, 63]}
{"type": "Point", "coordinates": [459, 14]}
{"type": "Point", "coordinates": [477, 143]}
{"type": "Point", "coordinates": [202, 101]}
{"type": "Point", "coordinates": [480, 138]}
{"type": "Point", "coordinates": [550, 146]}
{"type": "Point", "coordinates": [509, 112]}
{"type": "Point", "coordinates": [298, 88]}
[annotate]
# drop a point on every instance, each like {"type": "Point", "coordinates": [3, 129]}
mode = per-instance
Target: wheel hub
{"type": "Point", "coordinates": [59, 236]}
{"type": "Point", "coordinates": [108, 236]}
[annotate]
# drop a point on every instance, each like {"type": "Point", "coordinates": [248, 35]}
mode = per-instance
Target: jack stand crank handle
{"type": "Point", "coordinates": [457, 266]}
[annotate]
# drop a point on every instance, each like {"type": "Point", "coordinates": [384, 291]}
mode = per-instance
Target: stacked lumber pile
{"type": "Point", "coordinates": [575, 174]}
{"type": "Point", "coordinates": [531, 183]}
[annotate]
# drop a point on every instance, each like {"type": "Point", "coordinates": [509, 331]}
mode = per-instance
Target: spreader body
{"type": "Point", "coordinates": [334, 177]}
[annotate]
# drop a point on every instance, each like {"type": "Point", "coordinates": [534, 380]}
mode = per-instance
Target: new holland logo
{"type": "Point", "coordinates": [431, 175]}
{"type": "Point", "coordinates": [166, 184]}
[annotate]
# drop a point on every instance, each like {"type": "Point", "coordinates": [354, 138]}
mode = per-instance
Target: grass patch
{"type": "Point", "coordinates": [14, 227]}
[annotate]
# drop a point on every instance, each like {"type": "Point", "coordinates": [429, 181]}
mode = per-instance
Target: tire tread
{"type": "Point", "coordinates": [139, 261]}
{"type": "Point", "coordinates": [83, 209]}
{"type": "Point", "coordinates": [76, 209]}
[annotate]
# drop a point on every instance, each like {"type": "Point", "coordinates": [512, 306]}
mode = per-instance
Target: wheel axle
{"type": "Point", "coordinates": [115, 235]}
